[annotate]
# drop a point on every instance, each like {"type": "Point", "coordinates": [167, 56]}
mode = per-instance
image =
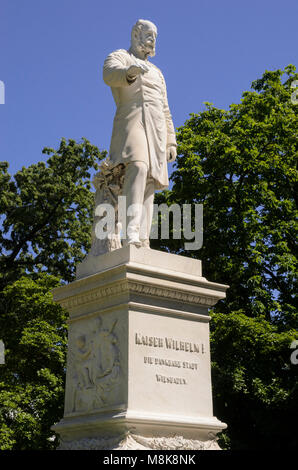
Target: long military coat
{"type": "Point", "coordinates": [143, 127]}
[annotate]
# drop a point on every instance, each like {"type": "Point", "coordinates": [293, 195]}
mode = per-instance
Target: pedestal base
{"type": "Point", "coordinates": [131, 441]}
{"type": "Point", "coordinates": [138, 367]}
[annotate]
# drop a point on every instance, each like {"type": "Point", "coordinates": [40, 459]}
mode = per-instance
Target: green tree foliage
{"type": "Point", "coordinates": [46, 212]}
{"type": "Point", "coordinates": [46, 216]}
{"type": "Point", "coordinates": [241, 164]}
{"type": "Point", "coordinates": [33, 329]}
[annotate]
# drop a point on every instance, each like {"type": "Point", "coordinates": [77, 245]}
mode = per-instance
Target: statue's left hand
{"type": "Point", "coordinates": [171, 153]}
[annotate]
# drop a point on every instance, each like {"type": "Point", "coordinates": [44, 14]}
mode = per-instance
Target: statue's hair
{"type": "Point", "coordinates": [139, 25]}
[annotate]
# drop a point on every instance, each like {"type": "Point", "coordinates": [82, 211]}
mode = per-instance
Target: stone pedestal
{"type": "Point", "coordinates": [138, 367]}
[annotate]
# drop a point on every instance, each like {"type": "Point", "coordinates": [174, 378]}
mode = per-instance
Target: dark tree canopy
{"type": "Point", "coordinates": [46, 215]}
{"type": "Point", "coordinates": [46, 211]}
{"type": "Point", "coordinates": [34, 331]}
{"type": "Point", "coordinates": [241, 164]}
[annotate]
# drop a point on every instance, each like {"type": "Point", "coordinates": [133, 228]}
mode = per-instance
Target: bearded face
{"type": "Point", "coordinates": [145, 40]}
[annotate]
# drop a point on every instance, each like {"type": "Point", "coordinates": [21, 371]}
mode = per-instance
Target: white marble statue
{"type": "Point", "coordinates": [143, 135]}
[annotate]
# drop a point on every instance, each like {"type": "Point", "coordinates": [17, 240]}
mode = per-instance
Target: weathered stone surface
{"type": "Point", "coordinates": [131, 441]}
{"type": "Point", "coordinates": [139, 356]}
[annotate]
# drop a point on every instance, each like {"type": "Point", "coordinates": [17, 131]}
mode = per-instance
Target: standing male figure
{"type": "Point", "coordinates": [143, 135]}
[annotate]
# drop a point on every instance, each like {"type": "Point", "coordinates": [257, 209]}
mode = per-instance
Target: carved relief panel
{"type": "Point", "coordinates": [94, 366]}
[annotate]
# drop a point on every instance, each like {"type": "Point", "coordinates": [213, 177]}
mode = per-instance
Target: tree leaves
{"type": "Point", "coordinates": [46, 214]}
{"type": "Point", "coordinates": [241, 164]}
{"type": "Point", "coordinates": [34, 331]}
{"type": "Point", "coordinates": [47, 211]}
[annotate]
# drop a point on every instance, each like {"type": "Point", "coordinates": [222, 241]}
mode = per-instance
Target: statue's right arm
{"type": "Point", "coordinates": [115, 69]}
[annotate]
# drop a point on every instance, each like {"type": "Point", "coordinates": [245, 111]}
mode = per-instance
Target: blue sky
{"type": "Point", "coordinates": [52, 53]}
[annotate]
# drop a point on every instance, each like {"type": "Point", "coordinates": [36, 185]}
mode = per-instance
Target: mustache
{"type": "Point", "coordinates": [147, 47]}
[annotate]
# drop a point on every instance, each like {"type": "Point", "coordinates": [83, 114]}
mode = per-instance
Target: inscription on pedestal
{"type": "Point", "coordinates": [170, 344]}
{"type": "Point", "coordinates": [169, 360]}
